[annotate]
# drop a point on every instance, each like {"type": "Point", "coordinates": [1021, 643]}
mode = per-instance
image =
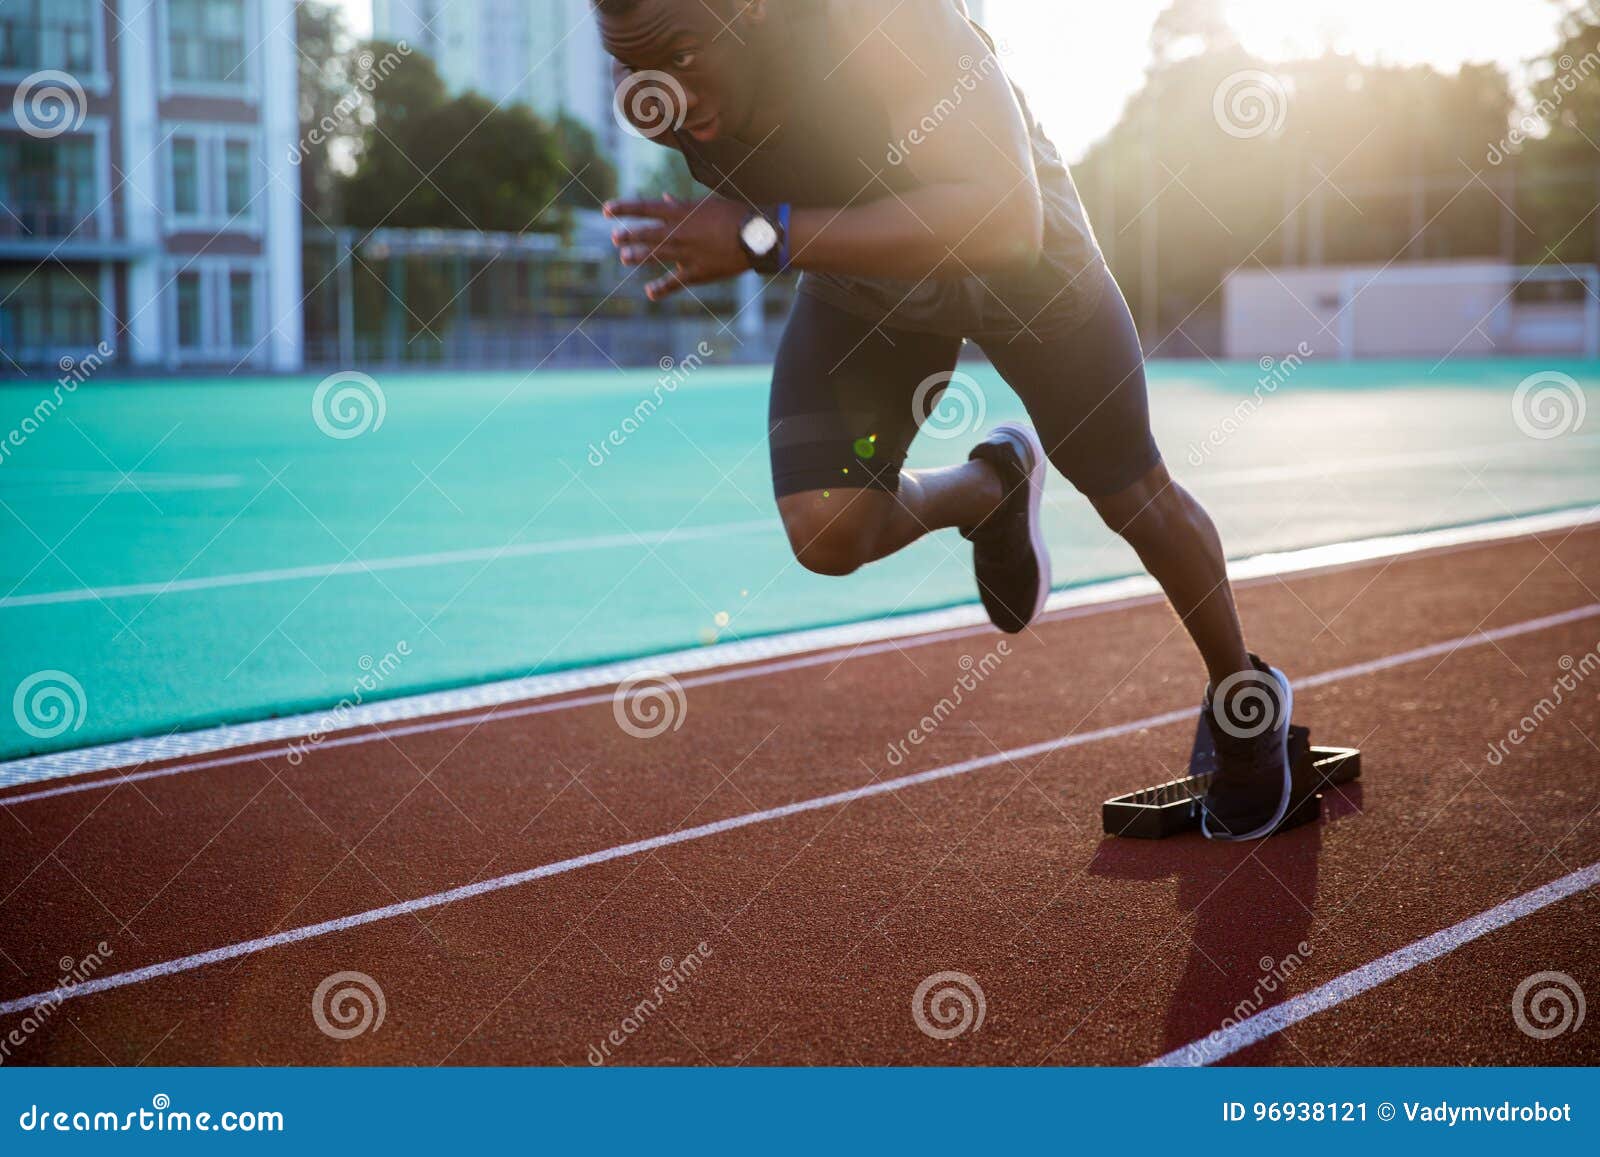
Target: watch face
{"type": "Point", "coordinates": [759, 236]}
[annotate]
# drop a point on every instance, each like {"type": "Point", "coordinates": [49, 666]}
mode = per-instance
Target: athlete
{"type": "Point", "coordinates": [880, 149]}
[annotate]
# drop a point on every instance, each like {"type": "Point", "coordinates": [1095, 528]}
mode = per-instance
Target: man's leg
{"type": "Point", "coordinates": [836, 532]}
{"type": "Point", "coordinates": [840, 423]}
{"type": "Point", "coordinates": [1178, 544]}
{"type": "Point", "coordinates": [1087, 396]}
{"type": "Point", "coordinates": [1086, 393]}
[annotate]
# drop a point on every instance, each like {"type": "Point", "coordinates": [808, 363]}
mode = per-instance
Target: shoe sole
{"type": "Point", "coordinates": [1267, 829]}
{"type": "Point", "coordinates": [1036, 480]}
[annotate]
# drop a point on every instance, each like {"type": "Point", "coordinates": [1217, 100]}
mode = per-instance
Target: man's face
{"type": "Point", "coordinates": [702, 46]}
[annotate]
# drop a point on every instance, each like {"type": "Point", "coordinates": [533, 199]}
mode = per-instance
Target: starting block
{"type": "Point", "coordinates": [1172, 808]}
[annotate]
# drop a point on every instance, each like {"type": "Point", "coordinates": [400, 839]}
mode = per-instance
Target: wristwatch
{"type": "Point", "coordinates": [764, 237]}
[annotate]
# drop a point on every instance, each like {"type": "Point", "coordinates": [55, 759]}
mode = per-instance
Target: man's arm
{"type": "Point", "coordinates": [978, 208]}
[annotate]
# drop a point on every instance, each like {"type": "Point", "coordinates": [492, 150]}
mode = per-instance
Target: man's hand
{"type": "Point", "coordinates": [698, 241]}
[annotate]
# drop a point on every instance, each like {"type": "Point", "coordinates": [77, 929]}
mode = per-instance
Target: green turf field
{"type": "Point", "coordinates": [201, 551]}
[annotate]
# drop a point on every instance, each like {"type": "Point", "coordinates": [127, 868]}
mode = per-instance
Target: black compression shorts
{"type": "Point", "coordinates": [848, 397]}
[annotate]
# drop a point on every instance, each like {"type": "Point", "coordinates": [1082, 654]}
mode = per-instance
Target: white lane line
{"type": "Point", "coordinates": [857, 638]}
{"type": "Point", "coordinates": [825, 658]}
{"type": "Point", "coordinates": [494, 716]}
{"type": "Point", "coordinates": [374, 565]}
{"type": "Point", "coordinates": [686, 835]}
{"type": "Point", "coordinates": [1257, 1028]}
{"type": "Point", "coordinates": [1466, 455]}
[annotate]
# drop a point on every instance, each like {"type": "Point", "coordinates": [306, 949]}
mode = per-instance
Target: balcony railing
{"type": "Point", "coordinates": [50, 221]}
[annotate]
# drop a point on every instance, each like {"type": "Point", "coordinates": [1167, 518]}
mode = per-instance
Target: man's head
{"type": "Point", "coordinates": [703, 47]}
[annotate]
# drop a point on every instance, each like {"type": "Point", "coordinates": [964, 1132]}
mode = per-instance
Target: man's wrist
{"type": "Point", "coordinates": [764, 239]}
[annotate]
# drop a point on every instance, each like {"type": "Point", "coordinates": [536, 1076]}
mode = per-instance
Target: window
{"type": "Point", "coordinates": [189, 327]}
{"type": "Point", "coordinates": [205, 41]}
{"type": "Point", "coordinates": [49, 309]}
{"type": "Point", "coordinates": [241, 309]}
{"type": "Point", "coordinates": [37, 34]}
{"type": "Point", "coordinates": [236, 192]}
{"type": "Point", "coordinates": [213, 309]}
{"type": "Point", "coordinates": [47, 186]}
{"type": "Point", "coordinates": [185, 177]}
{"type": "Point", "coordinates": [212, 178]}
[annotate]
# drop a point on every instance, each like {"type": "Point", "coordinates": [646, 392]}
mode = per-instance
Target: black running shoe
{"type": "Point", "coordinates": [1008, 550]}
{"type": "Point", "coordinates": [1249, 716]}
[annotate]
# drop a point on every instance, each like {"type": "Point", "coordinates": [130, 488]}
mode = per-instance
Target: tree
{"type": "Point", "coordinates": [1191, 28]}
{"type": "Point", "coordinates": [593, 179]}
{"type": "Point", "coordinates": [1224, 160]}
{"type": "Point", "coordinates": [324, 94]}
{"type": "Point", "coordinates": [1552, 146]}
{"type": "Point", "coordinates": [428, 161]}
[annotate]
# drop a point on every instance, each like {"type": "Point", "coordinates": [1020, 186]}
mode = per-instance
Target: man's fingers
{"type": "Point", "coordinates": [649, 235]}
{"type": "Point", "coordinates": [675, 282]}
{"type": "Point", "coordinates": [660, 210]}
{"type": "Point", "coordinates": [668, 252]}
{"type": "Point", "coordinates": [664, 287]}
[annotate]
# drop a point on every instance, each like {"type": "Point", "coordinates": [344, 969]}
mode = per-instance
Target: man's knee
{"type": "Point", "coordinates": [1146, 510]}
{"type": "Point", "coordinates": [829, 536]}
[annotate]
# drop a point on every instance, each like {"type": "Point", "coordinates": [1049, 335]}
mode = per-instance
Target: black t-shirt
{"type": "Point", "coordinates": [837, 149]}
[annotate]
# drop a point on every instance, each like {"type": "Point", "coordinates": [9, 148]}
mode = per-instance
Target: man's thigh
{"type": "Point", "coordinates": [845, 395]}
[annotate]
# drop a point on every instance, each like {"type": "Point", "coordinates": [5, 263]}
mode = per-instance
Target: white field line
{"type": "Point", "coordinates": [769, 815]}
{"type": "Point", "coordinates": [824, 645]}
{"type": "Point", "coordinates": [30, 483]}
{"type": "Point", "coordinates": [1257, 1028]}
{"type": "Point", "coordinates": [375, 565]}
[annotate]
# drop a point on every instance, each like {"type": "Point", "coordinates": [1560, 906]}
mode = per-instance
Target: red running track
{"type": "Point", "coordinates": [522, 890]}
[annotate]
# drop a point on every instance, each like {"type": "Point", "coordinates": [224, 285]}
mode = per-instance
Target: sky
{"type": "Point", "coordinates": [1080, 60]}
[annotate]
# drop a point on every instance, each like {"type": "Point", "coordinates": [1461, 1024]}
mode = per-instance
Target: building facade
{"type": "Point", "coordinates": [542, 53]}
{"type": "Point", "coordinates": [148, 202]}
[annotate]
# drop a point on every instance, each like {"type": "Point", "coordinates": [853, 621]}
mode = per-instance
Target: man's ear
{"type": "Point", "coordinates": [751, 11]}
